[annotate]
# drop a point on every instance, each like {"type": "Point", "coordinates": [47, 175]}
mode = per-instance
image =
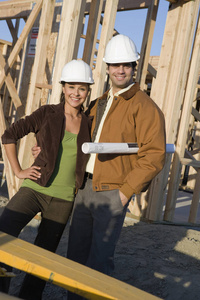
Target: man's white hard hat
{"type": "Point", "coordinates": [120, 49]}
{"type": "Point", "coordinates": [77, 71]}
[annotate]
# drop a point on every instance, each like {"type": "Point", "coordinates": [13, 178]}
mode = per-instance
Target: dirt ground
{"type": "Point", "coordinates": [163, 260]}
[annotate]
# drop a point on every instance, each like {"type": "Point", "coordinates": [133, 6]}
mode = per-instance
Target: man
{"type": "Point", "coordinates": [123, 114]}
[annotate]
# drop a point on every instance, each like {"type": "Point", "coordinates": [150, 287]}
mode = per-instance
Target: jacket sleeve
{"type": "Point", "coordinates": [24, 126]}
{"type": "Point", "coordinates": [151, 139]}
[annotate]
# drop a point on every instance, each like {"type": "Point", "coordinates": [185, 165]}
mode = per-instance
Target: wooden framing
{"type": "Point", "coordinates": [33, 100]}
{"type": "Point", "coordinates": [146, 44]}
{"type": "Point", "coordinates": [174, 78]}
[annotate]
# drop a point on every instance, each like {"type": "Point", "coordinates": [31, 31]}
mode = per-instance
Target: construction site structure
{"type": "Point", "coordinates": [30, 72]}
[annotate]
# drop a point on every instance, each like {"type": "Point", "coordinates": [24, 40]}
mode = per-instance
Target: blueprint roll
{"type": "Point", "coordinates": [117, 148]}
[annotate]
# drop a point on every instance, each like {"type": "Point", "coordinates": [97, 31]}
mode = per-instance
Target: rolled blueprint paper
{"type": "Point", "coordinates": [117, 148]}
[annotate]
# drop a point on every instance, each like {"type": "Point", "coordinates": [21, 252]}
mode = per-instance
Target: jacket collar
{"type": "Point", "coordinates": [126, 95]}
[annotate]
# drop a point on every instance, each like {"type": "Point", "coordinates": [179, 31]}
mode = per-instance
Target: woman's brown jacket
{"type": "Point", "coordinates": [48, 124]}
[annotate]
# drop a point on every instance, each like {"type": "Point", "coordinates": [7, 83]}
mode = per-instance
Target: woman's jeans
{"type": "Point", "coordinates": [24, 205]}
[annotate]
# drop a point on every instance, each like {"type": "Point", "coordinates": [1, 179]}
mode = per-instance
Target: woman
{"type": "Point", "coordinates": [58, 170]}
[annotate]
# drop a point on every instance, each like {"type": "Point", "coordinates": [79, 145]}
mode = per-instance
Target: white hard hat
{"type": "Point", "coordinates": [77, 71]}
{"type": "Point", "coordinates": [120, 49]}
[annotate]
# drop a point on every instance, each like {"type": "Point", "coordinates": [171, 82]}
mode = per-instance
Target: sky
{"type": "Point", "coordinates": [130, 23]}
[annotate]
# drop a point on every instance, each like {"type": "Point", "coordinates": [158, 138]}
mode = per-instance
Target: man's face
{"type": "Point", "coordinates": [121, 75]}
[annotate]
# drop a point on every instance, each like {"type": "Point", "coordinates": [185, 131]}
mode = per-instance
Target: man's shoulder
{"type": "Point", "coordinates": [90, 107]}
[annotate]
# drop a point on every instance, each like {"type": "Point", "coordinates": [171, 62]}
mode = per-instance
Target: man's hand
{"type": "Point", "coordinates": [35, 151]}
{"type": "Point", "coordinates": [124, 199]}
{"type": "Point", "coordinates": [31, 173]}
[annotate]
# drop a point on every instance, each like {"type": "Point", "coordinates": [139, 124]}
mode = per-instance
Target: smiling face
{"type": "Point", "coordinates": [121, 75]}
{"type": "Point", "coordinates": [75, 94]}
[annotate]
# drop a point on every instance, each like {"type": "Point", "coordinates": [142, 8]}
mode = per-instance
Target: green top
{"type": "Point", "coordinates": [62, 182]}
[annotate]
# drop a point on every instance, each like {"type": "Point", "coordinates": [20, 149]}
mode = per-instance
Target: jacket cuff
{"type": "Point", "coordinates": [127, 190]}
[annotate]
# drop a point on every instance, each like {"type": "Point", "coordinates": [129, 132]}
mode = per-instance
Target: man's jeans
{"type": "Point", "coordinates": [97, 220]}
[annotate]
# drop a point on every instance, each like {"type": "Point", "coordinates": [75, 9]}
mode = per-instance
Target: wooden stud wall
{"type": "Point", "coordinates": [34, 81]}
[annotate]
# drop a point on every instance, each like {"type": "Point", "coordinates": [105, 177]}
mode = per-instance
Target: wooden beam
{"type": "Point", "coordinates": [196, 114]}
{"type": "Point", "coordinates": [195, 200]}
{"type": "Point", "coordinates": [92, 31]}
{"type": "Point", "coordinates": [152, 70]}
{"type": "Point", "coordinates": [11, 87]}
{"type": "Point", "coordinates": [33, 100]}
{"type": "Point", "coordinates": [146, 43]}
{"type": "Point", "coordinates": [43, 86]}
{"type": "Point", "coordinates": [70, 21]}
{"type": "Point", "coordinates": [20, 41]}
{"type": "Point", "coordinates": [190, 162]}
{"type": "Point", "coordinates": [15, 9]}
{"type": "Point", "coordinates": [106, 34]}
{"type": "Point", "coordinates": [123, 5]}
{"type": "Point", "coordinates": [168, 88]}
{"type": "Point", "coordinates": [64, 272]}
{"type": "Point", "coordinates": [5, 42]}
{"type": "Point", "coordinates": [12, 29]}
{"type": "Point", "coordinates": [7, 297]}
{"type": "Point", "coordinates": [10, 178]}
{"type": "Point", "coordinates": [192, 10]}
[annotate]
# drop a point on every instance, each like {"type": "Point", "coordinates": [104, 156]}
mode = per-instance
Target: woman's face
{"type": "Point", "coordinates": [75, 93]}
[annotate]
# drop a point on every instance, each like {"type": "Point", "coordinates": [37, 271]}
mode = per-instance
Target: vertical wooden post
{"type": "Point", "coordinates": [106, 34]}
{"type": "Point", "coordinates": [71, 20]}
{"type": "Point", "coordinates": [146, 43]}
{"type": "Point", "coordinates": [92, 31]}
{"type": "Point", "coordinates": [184, 122]}
{"type": "Point", "coordinates": [20, 41]}
{"type": "Point", "coordinates": [38, 71]}
{"type": "Point", "coordinates": [168, 87]}
{"type": "Point", "coordinates": [195, 200]}
{"type": "Point", "coordinates": [10, 85]}
{"type": "Point", "coordinates": [10, 178]}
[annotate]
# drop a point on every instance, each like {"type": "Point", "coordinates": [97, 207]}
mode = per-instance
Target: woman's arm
{"type": "Point", "coordinates": [31, 173]}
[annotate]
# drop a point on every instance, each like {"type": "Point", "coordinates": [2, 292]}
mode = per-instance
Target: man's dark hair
{"type": "Point", "coordinates": [133, 64]}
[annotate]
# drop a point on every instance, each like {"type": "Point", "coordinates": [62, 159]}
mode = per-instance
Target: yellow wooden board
{"type": "Point", "coordinates": [7, 297]}
{"type": "Point", "coordinates": [64, 272]}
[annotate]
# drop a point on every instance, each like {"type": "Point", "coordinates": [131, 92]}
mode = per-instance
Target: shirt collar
{"type": "Point", "coordinates": [110, 93]}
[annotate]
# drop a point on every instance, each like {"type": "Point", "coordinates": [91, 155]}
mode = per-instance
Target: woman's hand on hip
{"type": "Point", "coordinates": [30, 173]}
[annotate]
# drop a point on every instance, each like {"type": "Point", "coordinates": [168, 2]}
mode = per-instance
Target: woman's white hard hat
{"type": "Point", "coordinates": [77, 71]}
{"type": "Point", "coordinates": [120, 49]}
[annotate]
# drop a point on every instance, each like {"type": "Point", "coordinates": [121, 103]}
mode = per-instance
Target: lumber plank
{"type": "Point", "coordinates": [15, 9]}
{"type": "Point", "coordinates": [64, 272]}
{"type": "Point", "coordinates": [20, 41]}
{"type": "Point", "coordinates": [168, 88]}
{"type": "Point", "coordinates": [196, 114]}
{"type": "Point", "coordinates": [10, 178]}
{"type": "Point", "coordinates": [146, 43]}
{"type": "Point", "coordinates": [7, 297]}
{"type": "Point", "coordinates": [195, 200]}
{"type": "Point", "coordinates": [187, 108]}
{"type": "Point", "coordinates": [123, 5]}
{"type": "Point", "coordinates": [69, 33]}
{"type": "Point", "coordinates": [10, 85]}
{"type": "Point", "coordinates": [106, 34]}
{"type": "Point", "coordinates": [92, 31]}
{"type": "Point", "coordinates": [190, 162]}
{"type": "Point", "coordinates": [33, 100]}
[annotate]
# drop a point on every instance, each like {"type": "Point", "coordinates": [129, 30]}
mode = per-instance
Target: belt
{"type": "Point", "coordinates": [88, 175]}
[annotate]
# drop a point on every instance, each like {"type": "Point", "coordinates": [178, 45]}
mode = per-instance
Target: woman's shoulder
{"type": "Point", "coordinates": [51, 108]}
